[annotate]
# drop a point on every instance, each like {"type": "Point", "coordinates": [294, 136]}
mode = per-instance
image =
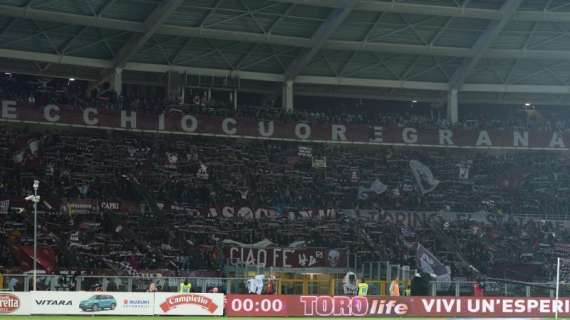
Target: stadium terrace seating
{"type": "Point", "coordinates": [144, 183]}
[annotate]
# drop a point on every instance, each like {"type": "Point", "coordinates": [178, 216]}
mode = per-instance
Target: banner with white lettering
{"type": "Point", "coordinates": [246, 212]}
{"type": "Point", "coordinates": [397, 307]}
{"type": "Point", "coordinates": [180, 123]}
{"type": "Point", "coordinates": [286, 257]}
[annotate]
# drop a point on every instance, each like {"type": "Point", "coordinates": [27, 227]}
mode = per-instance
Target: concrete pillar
{"type": "Point", "coordinates": [287, 96]}
{"type": "Point", "coordinates": [452, 107]}
{"type": "Point", "coordinates": [116, 80]}
{"type": "Point", "coordinates": [235, 99]}
{"type": "Point", "coordinates": [176, 86]}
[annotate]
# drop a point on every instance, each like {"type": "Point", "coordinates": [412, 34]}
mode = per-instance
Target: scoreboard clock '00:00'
{"type": "Point", "coordinates": [265, 305]}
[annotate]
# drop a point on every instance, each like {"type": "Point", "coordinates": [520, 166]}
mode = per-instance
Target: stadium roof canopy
{"type": "Point", "coordinates": [489, 50]}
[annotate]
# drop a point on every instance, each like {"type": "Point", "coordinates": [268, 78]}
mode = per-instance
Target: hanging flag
{"type": "Point", "coordinates": [34, 146]}
{"type": "Point", "coordinates": [354, 175]}
{"type": "Point", "coordinates": [511, 180]}
{"type": "Point", "coordinates": [464, 168]}
{"type": "Point", "coordinates": [19, 157]}
{"type": "Point", "coordinates": [424, 177]}
{"type": "Point", "coordinates": [29, 150]}
{"type": "Point", "coordinates": [306, 152]}
{"type": "Point", "coordinates": [4, 206]}
{"type": "Point", "coordinates": [376, 187]}
{"type": "Point", "coordinates": [171, 160]}
{"type": "Point", "coordinates": [203, 172]}
{"type": "Point", "coordinates": [320, 163]}
{"type": "Point", "coordinates": [427, 262]}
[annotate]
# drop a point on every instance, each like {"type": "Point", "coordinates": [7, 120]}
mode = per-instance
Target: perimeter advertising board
{"type": "Point", "coordinates": [198, 304]}
{"type": "Point", "coordinates": [121, 303]}
{"type": "Point", "coordinates": [93, 303]}
{"type": "Point", "coordinates": [15, 304]}
{"type": "Point", "coordinates": [342, 306]}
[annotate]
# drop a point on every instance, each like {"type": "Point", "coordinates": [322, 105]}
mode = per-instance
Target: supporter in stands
{"type": "Point", "coordinates": [172, 176]}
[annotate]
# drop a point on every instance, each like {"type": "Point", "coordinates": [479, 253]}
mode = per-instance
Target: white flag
{"type": "Point", "coordinates": [320, 163]}
{"type": "Point", "coordinates": [464, 168]}
{"type": "Point", "coordinates": [19, 157]}
{"type": "Point", "coordinates": [305, 152]}
{"type": "Point", "coordinates": [463, 172]}
{"type": "Point", "coordinates": [203, 172]}
{"type": "Point", "coordinates": [424, 177]}
{"type": "Point", "coordinates": [4, 206]}
{"type": "Point", "coordinates": [376, 187]}
{"type": "Point", "coordinates": [34, 146]}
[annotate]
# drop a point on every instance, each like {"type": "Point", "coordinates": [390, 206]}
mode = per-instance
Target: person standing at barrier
{"type": "Point", "coordinates": [478, 290]}
{"type": "Point", "coordinates": [408, 291]}
{"type": "Point", "coordinates": [362, 288]}
{"type": "Point", "coordinates": [152, 287]}
{"type": "Point", "coordinates": [251, 285]}
{"type": "Point", "coordinates": [259, 283]}
{"type": "Point", "coordinates": [270, 285]}
{"type": "Point", "coordinates": [394, 288]}
{"type": "Point", "coordinates": [185, 287]}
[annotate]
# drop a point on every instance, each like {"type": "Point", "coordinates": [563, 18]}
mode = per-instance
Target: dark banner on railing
{"type": "Point", "coordinates": [343, 306]}
{"type": "Point", "coordinates": [286, 257]}
{"type": "Point", "coordinates": [179, 122]}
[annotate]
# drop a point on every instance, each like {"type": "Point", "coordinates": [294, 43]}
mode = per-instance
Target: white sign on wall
{"type": "Point", "coordinates": [113, 303]}
{"type": "Point", "coordinates": [93, 303]}
{"type": "Point", "coordinates": [191, 304]}
{"type": "Point", "coordinates": [15, 303]}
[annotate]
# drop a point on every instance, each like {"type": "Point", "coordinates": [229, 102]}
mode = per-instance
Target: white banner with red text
{"type": "Point", "coordinates": [195, 304]}
{"type": "Point", "coordinates": [111, 303]}
{"type": "Point", "coordinates": [15, 304]}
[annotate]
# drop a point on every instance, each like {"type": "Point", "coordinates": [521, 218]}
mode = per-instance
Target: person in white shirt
{"type": "Point", "coordinates": [251, 286]}
{"type": "Point", "coordinates": [259, 282]}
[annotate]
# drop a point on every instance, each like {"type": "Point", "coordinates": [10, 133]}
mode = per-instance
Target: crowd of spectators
{"type": "Point", "coordinates": [153, 170]}
{"type": "Point", "coordinates": [158, 174]}
{"type": "Point", "coordinates": [416, 114]}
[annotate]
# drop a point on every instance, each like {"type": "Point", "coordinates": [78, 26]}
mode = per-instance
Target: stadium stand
{"type": "Point", "coordinates": [89, 176]}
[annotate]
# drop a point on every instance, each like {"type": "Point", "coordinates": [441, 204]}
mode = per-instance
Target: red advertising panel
{"type": "Point", "coordinates": [343, 306]}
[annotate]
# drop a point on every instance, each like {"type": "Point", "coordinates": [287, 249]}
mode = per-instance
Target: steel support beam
{"type": "Point", "coordinates": [270, 39]}
{"type": "Point", "coordinates": [271, 77]}
{"type": "Point", "coordinates": [150, 26]}
{"type": "Point", "coordinates": [484, 42]}
{"type": "Point", "coordinates": [438, 10]}
{"type": "Point", "coordinates": [323, 33]}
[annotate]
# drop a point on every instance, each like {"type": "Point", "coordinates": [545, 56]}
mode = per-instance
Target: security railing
{"type": "Point", "coordinates": [283, 286]}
